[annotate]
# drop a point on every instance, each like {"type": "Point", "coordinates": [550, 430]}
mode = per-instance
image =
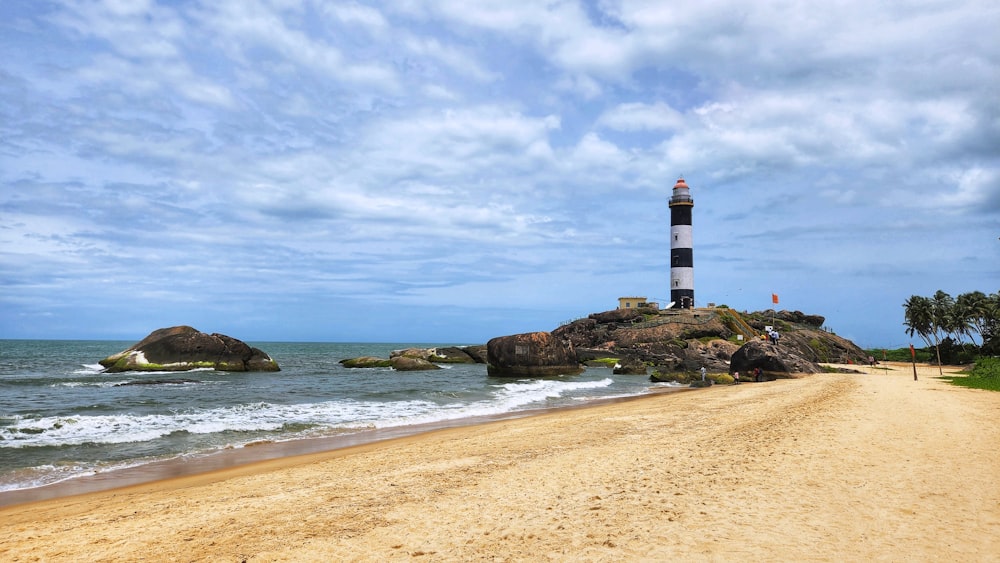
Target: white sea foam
{"type": "Point", "coordinates": [269, 417]}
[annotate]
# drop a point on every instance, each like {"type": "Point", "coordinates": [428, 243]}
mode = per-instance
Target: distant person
{"type": "Point", "coordinates": [702, 374]}
{"type": "Point", "coordinates": [871, 361]}
{"type": "Point", "coordinates": [756, 374]}
{"type": "Point", "coordinates": [736, 378]}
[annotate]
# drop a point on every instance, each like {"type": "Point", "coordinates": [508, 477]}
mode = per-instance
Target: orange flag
{"type": "Point", "coordinates": [774, 298]}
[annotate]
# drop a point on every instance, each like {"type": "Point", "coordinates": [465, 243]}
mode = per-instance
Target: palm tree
{"type": "Point", "coordinates": [991, 325]}
{"type": "Point", "coordinates": [917, 316]}
{"type": "Point", "coordinates": [941, 320]}
{"type": "Point", "coordinates": [973, 310]}
{"type": "Point", "coordinates": [925, 318]}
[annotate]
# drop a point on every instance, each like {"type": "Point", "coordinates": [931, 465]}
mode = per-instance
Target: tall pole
{"type": "Point", "coordinates": [913, 357]}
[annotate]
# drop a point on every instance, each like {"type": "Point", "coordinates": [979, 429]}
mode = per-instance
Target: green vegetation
{"type": "Point", "coordinates": [985, 375]}
{"type": "Point", "coordinates": [610, 362]}
{"type": "Point", "coordinates": [924, 355]}
{"type": "Point", "coordinates": [945, 323]}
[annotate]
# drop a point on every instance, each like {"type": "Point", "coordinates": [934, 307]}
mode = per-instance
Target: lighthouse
{"type": "Point", "coordinates": [681, 247]}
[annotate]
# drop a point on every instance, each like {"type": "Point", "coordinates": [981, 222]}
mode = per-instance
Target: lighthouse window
{"type": "Point", "coordinates": [675, 236]}
{"type": "Point", "coordinates": [677, 283]}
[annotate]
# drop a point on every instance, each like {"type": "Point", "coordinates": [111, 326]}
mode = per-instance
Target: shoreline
{"type": "Point", "coordinates": [218, 461]}
{"type": "Point", "coordinates": [827, 467]}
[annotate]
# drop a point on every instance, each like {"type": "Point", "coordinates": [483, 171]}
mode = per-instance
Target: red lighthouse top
{"type": "Point", "coordinates": [682, 194]}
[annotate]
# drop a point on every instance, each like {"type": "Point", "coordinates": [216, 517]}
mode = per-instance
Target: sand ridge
{"type": "Point", "coordinates": [828, 467]}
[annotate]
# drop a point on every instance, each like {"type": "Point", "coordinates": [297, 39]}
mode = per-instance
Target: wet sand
{"type": "Point", "coordinates": [828, 467]}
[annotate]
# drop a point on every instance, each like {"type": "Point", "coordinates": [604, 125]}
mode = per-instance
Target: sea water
{"type": "Point", "coordinates": [62, 417]}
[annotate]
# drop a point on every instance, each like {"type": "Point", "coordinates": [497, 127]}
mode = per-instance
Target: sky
{"type": "Point", "coordinates": [428, 171]}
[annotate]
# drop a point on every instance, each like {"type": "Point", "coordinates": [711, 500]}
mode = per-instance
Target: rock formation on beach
{"type": "Point", "coordinates": [682, 341]}
{"type": "Point", "coordinates": [530, 355]}
{"type": "Point", "coordinates": [183, 348]}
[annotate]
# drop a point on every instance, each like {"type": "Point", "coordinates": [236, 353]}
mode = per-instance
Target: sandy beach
{"type": "Point", "coordinates": [830, 467]}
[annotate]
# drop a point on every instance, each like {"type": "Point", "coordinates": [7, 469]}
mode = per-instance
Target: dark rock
{"type": "Point", "coordinates": [365, 362]}
{"type": "Point", "coordinates": [774, 360]}
{"type": "Point", "coordinates": [476, 352]}
{"type": "Point", "coordinates": [411, 363]}
{"type": "Point", "coordinates": [630, 366]}
{"type": "Point", "coordinates": [183, 348]}
{"type": "Point", "coordinates": [529, 355]}
{"type": "Point", "coordinates": [453, 355]}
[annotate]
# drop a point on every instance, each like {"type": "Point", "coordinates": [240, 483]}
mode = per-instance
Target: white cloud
{"type": "Point", "coordinates": [638, 116]}
{"type": "Point", "coordinates": [289, 151]}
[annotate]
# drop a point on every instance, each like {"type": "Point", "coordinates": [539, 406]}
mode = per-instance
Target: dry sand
{"type": "Point", "coordinates": [829, 467]}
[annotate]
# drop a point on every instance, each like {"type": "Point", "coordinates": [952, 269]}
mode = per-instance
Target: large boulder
{"type": "Point", "coordinates": [182, 348]}
{"type": "Point", "coordinates": [365, 362]}
{"type": "Point", "coordinates": [530, 354]}
{"type": "Point", "coordinates": [775, 360]}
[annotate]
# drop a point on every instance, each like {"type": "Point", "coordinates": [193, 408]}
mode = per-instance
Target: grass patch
{"type": "Point", "coordinates": [985, 375]}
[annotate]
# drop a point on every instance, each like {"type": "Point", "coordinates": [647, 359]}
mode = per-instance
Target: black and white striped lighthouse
{"type": "Point", "coordinates": [681, 247]}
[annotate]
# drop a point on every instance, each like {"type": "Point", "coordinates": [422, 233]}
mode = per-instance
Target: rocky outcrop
{"type": "Point", "coordinates": [530, 354]}
{"type": "Point", "coordinates": [182, 348]}
{"type": "Point", "coordinates": [682, 341]}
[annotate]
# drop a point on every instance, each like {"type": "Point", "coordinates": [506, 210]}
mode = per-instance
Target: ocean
{"type": "Point", "coordinates": [62, 418]}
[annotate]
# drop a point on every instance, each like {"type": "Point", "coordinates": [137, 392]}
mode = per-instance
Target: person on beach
{"type": "Point", "coordinates": [702, 374]}
{"type": "Point", "coordinates": [736, 378]}
{"type": "Point", "coordinates": [756, 374]}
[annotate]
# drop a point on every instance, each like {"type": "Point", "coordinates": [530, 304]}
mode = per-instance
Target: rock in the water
{"type": "Point", "coordinates": [183, 348]}
{"type": "Point", "coordinates": [366, 362]}
{"type": "Point", "coordinates": [411, 363]}
{"type": "Point", "coordinates": [630, 366]}
{"type": "Point", "coordinates": [453, 355]}
{"type": "Point", "coordinates": [429, 358]}
{"type": "Point", "coordinates": [529, 355]}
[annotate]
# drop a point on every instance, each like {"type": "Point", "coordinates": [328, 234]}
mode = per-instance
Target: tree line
{"type": "Point", "coordinates": [951, 325]}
